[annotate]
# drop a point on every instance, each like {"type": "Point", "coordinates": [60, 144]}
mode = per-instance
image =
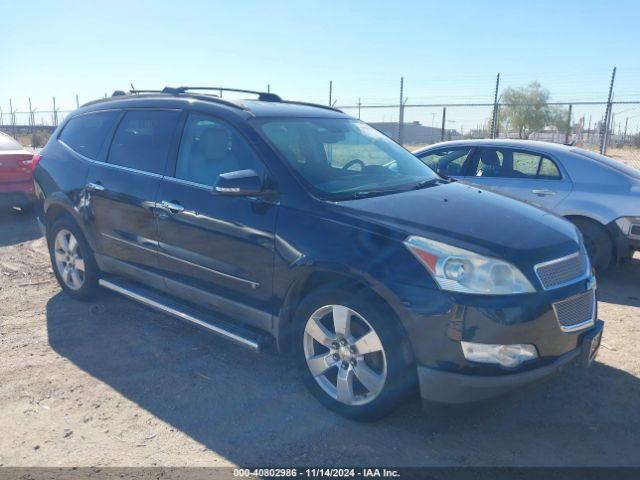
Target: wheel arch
{"type": "Point", "coordinates": [59, 205]}
{"type": "Point", "coordinates": [608, 228]}
{"type": "Point", "coordinates": [311, 279]}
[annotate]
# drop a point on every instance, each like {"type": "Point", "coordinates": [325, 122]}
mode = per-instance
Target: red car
{"type": "Point", "coordinates": [16, 184]}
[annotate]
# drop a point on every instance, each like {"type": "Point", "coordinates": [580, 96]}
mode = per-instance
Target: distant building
{"type": "Point", "coordinates": [413, 133]}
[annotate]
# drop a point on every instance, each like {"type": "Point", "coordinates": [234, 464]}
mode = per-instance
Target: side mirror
{"type": "Point", "coordinates": [240, 183]}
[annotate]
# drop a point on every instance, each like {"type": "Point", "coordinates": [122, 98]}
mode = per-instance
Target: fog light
{"type": "Point", "coordinates": [505, 355]}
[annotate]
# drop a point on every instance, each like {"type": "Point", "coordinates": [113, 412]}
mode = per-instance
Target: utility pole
{"type": "Point", "coordinates": [568, 130]}
{"type": "Point", "coordinates": [359, 106]}
{"type": "Point", "coordinates": [626, 124]}
{"type": "Point", "coordinates": [444, 119]}
{"type": "Point", "coordinates": [330, 91]}
{"type": "Point", "coordinates": [401, 112]}
{"type": "Point", "coordinates": [55, 113]}
{"type": "Point", "coordinates": [589, 129]}
{"type": "Point", "coordinates": [494, 116]}
{"type": "Point", "coordinates": [77, 101]}
{"type": "Point", "coordinates": [268, 88]}
{"type": "Point", "coordinates": [604, 133]}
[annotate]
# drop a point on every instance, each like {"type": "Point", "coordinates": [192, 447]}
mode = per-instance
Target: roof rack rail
{"type": "Point", "coordinates": [135, 92]}
{"type": "Point", "coordinates": [309, 104]}
{"type": "Point", "coordinates": [262, 96]}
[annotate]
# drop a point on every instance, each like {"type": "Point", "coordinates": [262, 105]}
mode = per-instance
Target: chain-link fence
{"type": "Point", "coordinates": [611, 127]}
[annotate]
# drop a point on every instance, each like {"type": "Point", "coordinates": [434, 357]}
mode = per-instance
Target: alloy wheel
{"type": "Point", "coordinates": [345, 355]}
{"type": "Point", "coordinates": [69, 261]}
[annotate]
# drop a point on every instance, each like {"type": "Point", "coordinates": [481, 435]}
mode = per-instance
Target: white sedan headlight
{"type": "Point", "coordinates": [459, 270]}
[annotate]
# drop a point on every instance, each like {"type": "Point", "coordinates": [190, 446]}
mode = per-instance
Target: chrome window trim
{"type": "Point", "coordinates": [129, 169]}
{"type": "Point", "coordinates": [581, 325]}
{"type": "Point", "coordinates": [189, 183]}
{"type": "Point", "coordinates": [82, 157]}
{"type": "Point", "coordinates": [559, 260]}
{"type": "Point", "coordinates": [251, 283]}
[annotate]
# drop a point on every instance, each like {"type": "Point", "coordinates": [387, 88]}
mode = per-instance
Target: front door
{"type": "Point", "coordinates": [121, 191]}
{"type": "Point", "coordinates": [216, 250]}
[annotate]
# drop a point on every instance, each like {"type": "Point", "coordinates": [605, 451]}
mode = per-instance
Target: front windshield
{"type": "Point", "coordinates": [345, 158]}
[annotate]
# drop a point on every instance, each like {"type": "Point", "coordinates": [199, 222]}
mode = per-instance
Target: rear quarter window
{"type": "Point", "coordinates": [87, 134]}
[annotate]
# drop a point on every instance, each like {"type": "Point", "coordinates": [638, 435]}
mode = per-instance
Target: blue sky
{"type": "Point", "coordinates": [447, 51]}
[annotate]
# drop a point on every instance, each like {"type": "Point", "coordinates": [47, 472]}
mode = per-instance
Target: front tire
{"type": "Point", "coordinates": [353, 354]}
{"type": "Point", "coordinates": [72, 260]}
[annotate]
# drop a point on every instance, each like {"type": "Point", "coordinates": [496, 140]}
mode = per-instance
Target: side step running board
{"type": "Point", "coordinates": [235, 333]}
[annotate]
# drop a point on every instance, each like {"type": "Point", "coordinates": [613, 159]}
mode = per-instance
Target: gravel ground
{"type": "Point", "coordinates": [111, 383]}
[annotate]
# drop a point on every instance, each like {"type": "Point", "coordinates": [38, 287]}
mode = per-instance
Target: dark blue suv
{"type": "Point", "coordinates": [275, 222]}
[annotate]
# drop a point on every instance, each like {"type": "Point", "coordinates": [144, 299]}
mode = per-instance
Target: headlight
{"type": "Point", "coordinates": [506, 355]}
{"type": "Point", "coordinates": [630, 226]}
{"type": "Point", "coordinates": [459, 270]}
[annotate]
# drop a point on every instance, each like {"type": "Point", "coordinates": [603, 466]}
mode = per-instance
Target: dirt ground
{"type": "Point", "coordinates": [111, 383]}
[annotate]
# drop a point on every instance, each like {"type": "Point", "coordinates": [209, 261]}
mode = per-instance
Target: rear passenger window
{"type": "Point", "coordinates": [548, 170]}
{"type": "Point", "coordinates": [142, 140]}
{"type": "Point", "coordinates": [86, 134]}
{"type": "Point", "coordinates": [525, 165]}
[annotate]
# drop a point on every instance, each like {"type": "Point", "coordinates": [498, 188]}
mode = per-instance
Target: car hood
{"type": "Point", "coordinates": [474, 219]}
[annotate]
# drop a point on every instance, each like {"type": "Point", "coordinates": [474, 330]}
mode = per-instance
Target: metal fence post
{"type": "Point", "coordinates": [604, 132]}
{"type": "Point", "coordinates": [55, 113]}
{"type": "Point", "coordinates": [444, 119]}
{"type": "Point", "coordinates": [568, 130]}
{"type": "Point", "coordinates": [12, 114]}
{"type": "Point", "coordinates": [494, 116]}
{"type": "Point", "coordinates": [401, 112]}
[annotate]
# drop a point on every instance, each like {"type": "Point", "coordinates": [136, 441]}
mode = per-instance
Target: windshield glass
{"type": "Point", "coordinates": [345, 158]}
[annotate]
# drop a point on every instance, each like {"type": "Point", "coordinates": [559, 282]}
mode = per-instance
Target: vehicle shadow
{"type": "Point", "coordinates": [17, 227]}
{"type": "Point", "coordinates": [621, 285]}
{"type": "Point", "coordinates": [252, 409]}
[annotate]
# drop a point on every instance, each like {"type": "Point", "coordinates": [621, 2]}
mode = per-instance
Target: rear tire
{"type": "Point", "coordinates": [72, 260]}
{"type": "Point", "coordinates": [597, 242]}
{"type": "Point", "coordinates": [362, 371]}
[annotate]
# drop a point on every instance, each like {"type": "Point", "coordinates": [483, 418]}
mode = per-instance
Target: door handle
{"type": "Point", "coordinates": [94, 187]}
{"type": "Point", "coordinates": [543, 192]}
{"type": "Point", "coordinates": [171, 206]}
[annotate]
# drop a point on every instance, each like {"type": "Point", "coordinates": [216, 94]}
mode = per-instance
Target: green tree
{"type": "Point", "coordinates": [525, 109]}
{"type": "Point", "coordinates": [559, 118]}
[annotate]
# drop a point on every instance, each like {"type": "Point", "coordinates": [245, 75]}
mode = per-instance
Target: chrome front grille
{"type": "Point", "coordinates": [577, 312]}
{"type": "Point", "coordinates": [561, 271]}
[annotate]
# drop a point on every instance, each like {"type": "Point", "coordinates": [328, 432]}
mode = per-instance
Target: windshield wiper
{"type": "Point", "coordinates": [373, 193]}
{"type": "Point", "coordinates": [427, 183]}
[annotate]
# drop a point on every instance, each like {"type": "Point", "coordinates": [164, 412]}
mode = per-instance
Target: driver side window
{"type": "Point", "coordinates": [209, 148]}
{"type": "Point", "coordinates": [447, 161]}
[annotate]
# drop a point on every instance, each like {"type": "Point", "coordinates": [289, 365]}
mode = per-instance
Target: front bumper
{"type": "Point", "coordinates": [448, 387]}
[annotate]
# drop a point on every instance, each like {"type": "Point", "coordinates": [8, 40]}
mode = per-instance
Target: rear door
{"type": "Point", "coordinates": [530, 176]}
{"type": "Point", "coordinates": [217, 250]}
{"type": "Point", "coordinates": [121, 191]}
